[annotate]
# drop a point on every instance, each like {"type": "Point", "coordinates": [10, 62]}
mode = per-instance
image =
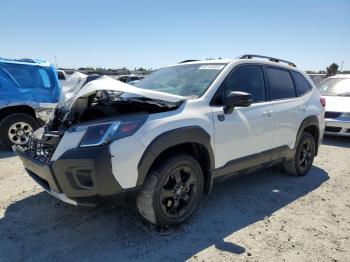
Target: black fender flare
{"type": "Point", "coordinates": [174, 137]}
{"type": "Point", "coordinates": [307, 122]}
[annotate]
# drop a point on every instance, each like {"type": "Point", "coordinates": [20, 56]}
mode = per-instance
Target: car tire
{"type": "Point", "coordinates": [26, 124]}
{"type": "Point", "coordinates": [172, 190]}
{"type": "Point", "coordinates": [303, 158]}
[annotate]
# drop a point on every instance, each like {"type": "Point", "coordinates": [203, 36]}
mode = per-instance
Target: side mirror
{"type": "Point", "coordinates": [236, 98]}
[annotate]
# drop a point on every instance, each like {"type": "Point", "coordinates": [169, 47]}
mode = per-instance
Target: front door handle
{"type": "Point", "coordinates": [267, 113]}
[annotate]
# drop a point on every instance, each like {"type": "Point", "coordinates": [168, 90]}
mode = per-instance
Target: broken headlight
{"type": "Point", "coordinates": [107, 132]}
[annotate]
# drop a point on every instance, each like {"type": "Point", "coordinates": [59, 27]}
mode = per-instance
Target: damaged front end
{"type": "Point", "coordinates": [101, 109]}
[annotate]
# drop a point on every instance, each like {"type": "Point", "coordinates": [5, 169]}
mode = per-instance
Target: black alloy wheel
{"type": "Point", "coordinates": [178, 192]}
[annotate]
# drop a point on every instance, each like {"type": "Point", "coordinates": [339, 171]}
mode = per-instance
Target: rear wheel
{"type": "Point", "coordinates": [172, 191]}
{"type": "Point", "coordinates": [303, 158]}
{"type": "Point", "coordinates": [16, 129]}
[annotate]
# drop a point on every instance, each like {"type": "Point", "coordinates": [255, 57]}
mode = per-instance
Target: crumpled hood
{"type": "Point", "coordinates": [75, 88]}
{"type": "Point", "coordinates": [337, 104]}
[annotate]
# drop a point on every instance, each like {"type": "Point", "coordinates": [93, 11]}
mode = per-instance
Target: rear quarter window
{"type": "Point", "coordinates": [301, 84]}
{"type": "Point", "coordinates": [280, 83]}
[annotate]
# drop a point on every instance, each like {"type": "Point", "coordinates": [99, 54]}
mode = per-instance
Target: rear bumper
{"type": "Point", "coordinates": [338, 126]}
{"type": "Point", "coordinates": [81, 176]}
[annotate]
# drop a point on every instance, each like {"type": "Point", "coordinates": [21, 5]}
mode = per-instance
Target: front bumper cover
{"type": "Point", "coordinates": [81, 176]}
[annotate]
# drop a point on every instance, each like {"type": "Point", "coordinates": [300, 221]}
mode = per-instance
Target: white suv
{"type": "Point", "coordinates": [165, 140]}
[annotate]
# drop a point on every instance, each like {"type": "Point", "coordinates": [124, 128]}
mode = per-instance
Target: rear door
{"type": "Point", "coordinates": [247, 130]}
{"type": "Point", "coordinates": [288, 103]}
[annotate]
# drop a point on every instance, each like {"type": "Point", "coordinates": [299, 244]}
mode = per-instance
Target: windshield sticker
{"type": "Point", "coordinates": [211, 67]}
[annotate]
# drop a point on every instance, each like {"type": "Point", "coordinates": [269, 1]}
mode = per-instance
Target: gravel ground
{"type": "Point", "coordinates": [266, 216]}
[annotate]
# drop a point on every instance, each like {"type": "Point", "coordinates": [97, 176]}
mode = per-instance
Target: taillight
{"type": "Point", "coordinates": [323, 101]}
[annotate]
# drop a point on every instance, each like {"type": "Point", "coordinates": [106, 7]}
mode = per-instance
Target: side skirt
{"type": "Point", "coordinates": [254, 162]}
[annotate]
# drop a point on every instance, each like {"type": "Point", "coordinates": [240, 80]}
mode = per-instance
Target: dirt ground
{"type": "Point", "coordinates": [266, 216]}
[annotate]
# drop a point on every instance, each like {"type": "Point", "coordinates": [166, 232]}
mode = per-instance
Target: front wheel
{"type": "Point", "coordinates": [303, 157]}
{"type": "Point", "coordinates": [172, 191]}
{"type": "Point", "coordinates": [16, 129]}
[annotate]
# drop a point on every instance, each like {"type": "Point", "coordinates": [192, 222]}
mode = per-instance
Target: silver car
{"type": "Point", "coordinates": [336, 91]}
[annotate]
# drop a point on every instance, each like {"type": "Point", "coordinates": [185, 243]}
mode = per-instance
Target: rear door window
{"type": "Point", "coordinates": [301, 84]}
{"type": "Point", "coordinates": [280, 83]}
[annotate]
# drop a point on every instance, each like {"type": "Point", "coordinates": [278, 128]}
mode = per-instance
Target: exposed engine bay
{"type": "Point", "coordinates": [92, 100]}
{"type": "Point", "coordinates": [106, 104]}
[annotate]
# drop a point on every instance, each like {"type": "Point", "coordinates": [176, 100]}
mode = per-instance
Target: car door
{"type": "Point", "coordinates": [289, 109]}
{"type": "Point", "coordinates": [247, 130]}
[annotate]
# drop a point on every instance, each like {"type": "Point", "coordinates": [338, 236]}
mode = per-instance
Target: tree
{"type": "Point", "coordinates": [332, 69]}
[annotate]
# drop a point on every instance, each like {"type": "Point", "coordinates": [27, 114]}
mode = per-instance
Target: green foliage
{"type": "Point", "coordinates": [332, 69]}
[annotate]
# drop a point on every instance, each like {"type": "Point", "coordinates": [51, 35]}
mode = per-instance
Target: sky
{"type": "Point", "coordinates": [152, 34]}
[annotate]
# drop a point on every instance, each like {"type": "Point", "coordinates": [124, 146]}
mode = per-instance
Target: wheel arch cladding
{"type": "Point", "coordinates": [25, 109]}
{"type": "Point", "coordinates": [193, 140]}
{"type": "Point", "coordinates": [310, 125]}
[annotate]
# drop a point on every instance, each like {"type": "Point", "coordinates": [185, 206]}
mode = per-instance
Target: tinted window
{"type": "Point", "coordinates": [281, 83]}
{"type": "Point", "coordinates": [249, 79]}
{"type": "Point", "coordinates": [123, 79]}
{"type": "Point", "coordinates": [27, 76]}
{"type": "Point", "coordinates": [60, 75]}
{"type": "Point", "coordinates": [301, 84]}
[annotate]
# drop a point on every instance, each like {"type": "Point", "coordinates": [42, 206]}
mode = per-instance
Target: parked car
{"type": "Point", "coordinates": [336, 90]}
{"type": "Point", "coordinates": [62, 76]}
{"type": "Point", "coordinates": [317, 78]}
{"type": "Point", "coordinates": [166, 140]}
{"type": "Point", "coordinates": [130, 78]}
{"type": "Point", "coordinates": [29, 90]}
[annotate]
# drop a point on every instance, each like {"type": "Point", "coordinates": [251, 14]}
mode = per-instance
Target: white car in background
{"type": "Point", "coordinates": [62, 76]}
{"type": "Point", "coordinates": [130, 78]}
{"type": "Point", "coordinates": [336, 90]}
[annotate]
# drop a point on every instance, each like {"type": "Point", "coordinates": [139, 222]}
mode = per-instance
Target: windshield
{"type": "Point", "coordinates": [335, 87]}
{"type": "Point", "coordinates": [184, 80]}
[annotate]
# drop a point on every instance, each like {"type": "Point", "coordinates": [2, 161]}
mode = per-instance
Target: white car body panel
{"type": "Point", "coordinates": [339, 104]}
{"type": "Point", "coordinates": [247, 131]}
{"type": "Point", "coordinates": [289, 114]}
{"type": "Point", "coordinates": [69, 140]}
{"type": "Point", "coordinates": [125, 155]}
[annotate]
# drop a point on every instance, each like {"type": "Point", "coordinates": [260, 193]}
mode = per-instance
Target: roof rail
{"type": "Point", "coordinates": [272, 59]}
{"type": "Point", "coordinates": [27, 60]}
{"type": "Point", "coordinates": [187, 61]}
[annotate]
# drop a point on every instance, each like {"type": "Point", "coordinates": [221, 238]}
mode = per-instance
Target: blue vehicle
{"type": "Point", "coordinates": [29, 90]}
